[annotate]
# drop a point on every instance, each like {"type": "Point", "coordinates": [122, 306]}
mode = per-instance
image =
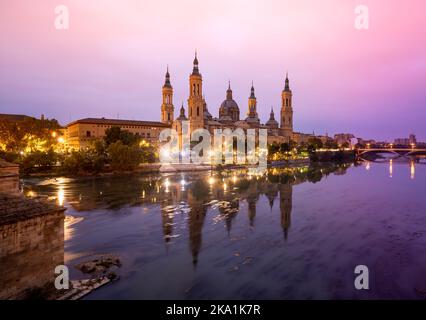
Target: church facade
{"type": "Point", "coordinates": [82, 133]}
{"type": "Point", "coordinates": [279, 131]}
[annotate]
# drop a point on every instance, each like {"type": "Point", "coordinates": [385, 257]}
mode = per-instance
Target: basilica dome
{"type": "Point", "coordinates": [229, 109]}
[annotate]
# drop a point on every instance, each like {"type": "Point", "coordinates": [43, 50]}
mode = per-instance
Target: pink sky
{"type": "Point", "coordinates": [113, 58]}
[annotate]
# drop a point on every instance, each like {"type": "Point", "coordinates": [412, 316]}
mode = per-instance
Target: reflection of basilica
{"type": "Point", "coordinates": [186, 199]}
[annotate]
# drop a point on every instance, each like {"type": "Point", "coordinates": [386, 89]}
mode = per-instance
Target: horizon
{"type": "Point", "coordinates": [113, 59]}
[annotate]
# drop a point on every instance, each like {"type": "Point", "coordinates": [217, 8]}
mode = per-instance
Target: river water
{"type": "Point", "coordinates": [295, 233]}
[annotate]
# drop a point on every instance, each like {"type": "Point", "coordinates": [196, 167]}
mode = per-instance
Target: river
{"type": "Point", "coordinates": [294, 233]}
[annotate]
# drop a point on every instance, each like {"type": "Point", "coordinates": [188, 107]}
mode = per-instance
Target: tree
{"type": "Point", "coordinates": [284, 147]}
{"type": "Point", "coordinates": [314, 144]}
{"type": "Point", "coordinates": [273, 148]}
{"type": "Point", "coordinates": [29, 134]}
{"type": "Point", "coordinates": [345, 145]}
{"type": "Point", "coordinates": [115, 134]}
{"type": "Point", "coordinates": [123, 157]}
{"type": "Point", "coordinates": [40, 160]}
{"type": "Point", "coordinates": [330, 144]}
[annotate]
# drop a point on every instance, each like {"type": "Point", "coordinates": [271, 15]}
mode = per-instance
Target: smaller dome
{"type": "Point", "coordinates": [272, 123]}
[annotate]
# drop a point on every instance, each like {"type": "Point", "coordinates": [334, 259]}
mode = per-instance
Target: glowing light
{"type": "Point", "coordinates": [31, 194]}
{"type": "Point", "coordinates": [61, 140]}
{"type": "Point", "coordinates": [61, 196]}
{"type": "Point", "coordinates": [225, 187]}
{"type": "Point", "coordinates": [412, 170]}
{"type": "Point", "coordinates": [390, 168]}
{"type": "Point", "coordinates": [167, 184]}
{"type": "Point", "coordinates": [367, 166]}
{"type": "Point", "coordinates": [234, 179]}
{"type": "Point", "coordinates": [211, 181]}
{"type": "Point", "coordinates": [143, 194]}
{"type": "Point", "coordinates": [54, 134]}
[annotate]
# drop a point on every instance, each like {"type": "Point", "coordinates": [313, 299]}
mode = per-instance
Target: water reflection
{"type": "Point", "coordinates": [191, 195]}
{"type": "Point", "coordinates": [234, 235]}
{"type": "Point", "coordinates": [412, 169]}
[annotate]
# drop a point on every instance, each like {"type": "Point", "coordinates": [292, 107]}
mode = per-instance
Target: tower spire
{"type": "Point", "coordinates": [167, 80]}
{"type": "Point", "coordinates": [195, 67]}
{"type": "Point", "coordinates": [229, 91]}
{"type": "Point", "coordinates": [287, 85]}
{"type": "Point", "coordinates": [252, 95]}
{"type": "Point", "coordinates": [272, 115]}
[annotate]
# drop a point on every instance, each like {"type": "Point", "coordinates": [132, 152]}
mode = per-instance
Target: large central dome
{"type": "Point", "coordinates": [229, 109]}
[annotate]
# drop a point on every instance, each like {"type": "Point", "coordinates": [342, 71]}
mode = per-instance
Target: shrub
{"type": "Point", "coordinates": [123, 157]}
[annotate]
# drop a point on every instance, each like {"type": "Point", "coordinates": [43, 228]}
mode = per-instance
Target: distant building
{"type": "Point", "coordinates": [406, 141]}
{"type": "Point", "coordinates": [82, 133]}
{"type": "Point", "coordinates": [342, 138]}
{"type": "Point", "coordinates": [14, 117]}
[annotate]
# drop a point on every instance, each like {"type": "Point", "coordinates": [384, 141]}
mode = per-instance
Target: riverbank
{"type": "Point", "coordinates": [152, 168]}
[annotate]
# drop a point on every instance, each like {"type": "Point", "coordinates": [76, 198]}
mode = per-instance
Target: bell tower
{"type": "Point", "coordinates": [195, 100]}
{"type": "Point", "coordinates": [252, 107]}
{"type": "Point", "coordinates": [287, 110]}
{"type": "Point", "coordinates": [167, 109]}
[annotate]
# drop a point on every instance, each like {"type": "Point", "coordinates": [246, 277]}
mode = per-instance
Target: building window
{"type": "Point", "coordinates": [198, 89]}
{"type": "Point", "coordinates": [198, 111]}
{"type": "Point", "coordinates": [88, 134]}
{"type": "Point", "coordinates": [193, 88]}
{"type": "Point", "coordinates": [168, 116]}
{"type": "Point", "coordinates": [148, 135]}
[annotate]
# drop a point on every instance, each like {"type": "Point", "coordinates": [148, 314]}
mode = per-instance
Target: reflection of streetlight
{"type": "Point", "coordinates": [61, 196]}
{"type": "Point", "coordinates": [412, 169]}
{"type": "Point", "coordinates": [390, 168]}
{"type": "Point", "coordinates": [211, 181]}
{"type": "Point", "coordinates": [367, 167]}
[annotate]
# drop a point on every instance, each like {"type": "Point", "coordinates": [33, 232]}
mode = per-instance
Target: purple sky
{"type": "Point", "coordinates": [113, 58]}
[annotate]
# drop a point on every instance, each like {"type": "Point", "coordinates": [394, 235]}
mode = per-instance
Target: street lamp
{"type": "Point", "coordinates": [413, 145]}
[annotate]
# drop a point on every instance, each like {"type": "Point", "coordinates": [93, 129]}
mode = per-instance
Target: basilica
{"type": "Point", "coordinates": [82, 133]}
{"type": "Point", "coordinates": [229, 111]}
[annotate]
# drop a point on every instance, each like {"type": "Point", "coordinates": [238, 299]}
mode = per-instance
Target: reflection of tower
{"type": "Point", "coordinates": [197, 216]}
{"type": "Point", "coordinates": [287, 110]}
{"type": "Point", "coordinates": [271, 193]}
{"type": "Point", "coordinates": [251, 210]}
{"type": "Point", "coordinates": [230, 212]}
{"type": "Point", "coordinates": [167, 108]}
{"type": "Point", "coordinates": [195, 100]}
{"type": "Point", "coordinates": [286, 200]}
{"type": "Point", "coordinates": [167, 215]}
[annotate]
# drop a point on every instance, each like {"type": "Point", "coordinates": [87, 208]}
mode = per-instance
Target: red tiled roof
{"type": "Point", "coordinates": [119, 122]}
